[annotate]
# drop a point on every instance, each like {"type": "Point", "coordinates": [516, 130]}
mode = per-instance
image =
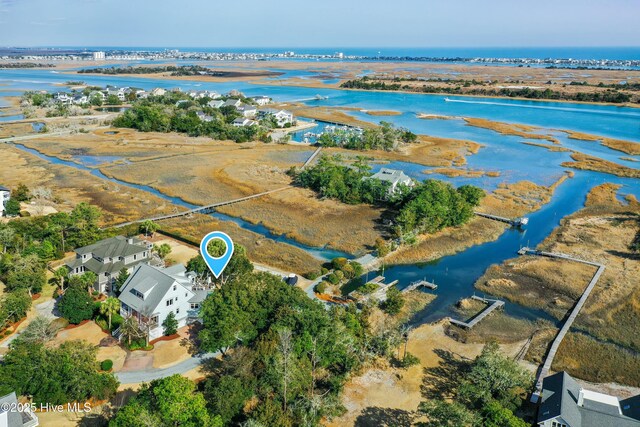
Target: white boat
{"type": "Point", "coordinates": [447, 99]}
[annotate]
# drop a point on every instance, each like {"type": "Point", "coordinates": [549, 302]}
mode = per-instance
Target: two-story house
{"type": "Point", "coordinates": [566, 404]}
{"type": "Point", "coordinates": [395, 178]}
{"type": "Point", "coordinates": [5, 195]}
{"type": "Point", "coordinates": [107, 257]}
{"type": "Point", "coordinates": [151, 293]}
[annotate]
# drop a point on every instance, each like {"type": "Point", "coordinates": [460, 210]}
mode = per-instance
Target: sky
{"type": "Point", "coordinates": [320, 23]}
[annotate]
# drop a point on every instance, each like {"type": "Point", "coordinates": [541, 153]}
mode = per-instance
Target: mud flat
{"type": "Point", "coordinates": [607, 326]}
{"type": "Point", "coordinates": [524, 131]}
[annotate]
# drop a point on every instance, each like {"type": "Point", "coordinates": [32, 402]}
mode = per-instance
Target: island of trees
{"type": "Point", "coordinates": [176, 71]}
{"type": "Point", "coordinates": [616, 94]}
{"type": "Point", "coordinates": [424, 208]}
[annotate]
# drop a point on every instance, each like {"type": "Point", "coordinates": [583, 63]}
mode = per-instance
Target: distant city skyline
{"type": "Point", "coordinates": [298, 24]}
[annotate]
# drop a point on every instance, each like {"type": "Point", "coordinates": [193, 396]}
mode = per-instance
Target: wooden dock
{"type": "Point", "coordinates": [546, 366]}
{"type": "Point", "coordinates": [420, 283]}
{"type": "Point", "coordinates": [312, 157]}
{"type": "Point", "coordinates": [518, 222]}
{"type": "Point", "coordinates": [493, 304]}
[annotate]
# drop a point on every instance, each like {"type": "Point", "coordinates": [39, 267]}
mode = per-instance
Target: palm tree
{"type": "Point", "coordinates": [88, 279]}
{"type": "Point", "coordinates": [61, 274]}
{"type": "Point", "coordinates": [149, 227]}
{"type": "Point", "coordinates": [130, 329]}
{"type": "Point", "coordinates": [109, 307]}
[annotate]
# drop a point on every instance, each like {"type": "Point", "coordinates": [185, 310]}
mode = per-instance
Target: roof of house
{"type": "Point", "coordinates": [232, 102]}
{"type": "Point", "coordinates": [153, 283]}
{"type": "Point", "coordinates": [3, 188]}
{"type": "Point", "coordinates": [114, 247]}
{"type": "Point", "coordinates": [17, 418]}
{"type": "Point", "coordinates": [391, 175]}
{"type": "Point", "coordinates": [563, 397]}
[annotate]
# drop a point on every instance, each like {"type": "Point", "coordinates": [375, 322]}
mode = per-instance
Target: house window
{"type": "Point", "coordinates": [169, 302]}
{"type": "Point", "coordinates": [154, 320]}
{"type": "Point", "coordinates": [177, 310]}
{"type": "Point", "coordinates": [557, 424]}
{"type": "Point", "coordinates": [175, 287]}
{"type": "Point", "coordinates": [135, 257]}
{"type": "Point", "coordinates": [195, 306]}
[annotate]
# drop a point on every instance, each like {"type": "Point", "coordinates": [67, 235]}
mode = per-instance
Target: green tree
{"type": "Point", "coordinates": [7, 236]}
{"type": "Point", "coordinates": [14, 307]}
{"type": "Point", "coordinates": [61, 274]}
{"type": "Point", "coordinates": [39, 330]}
{"type": "Point", "coordinates": [162, 250]}
{"type": "Point", "coordinates": [394, 302]}
{"type": "Point", "coordinates": [76, 305]}
{"type": "Point", "coordinates": [21, 193]}
{"type": "Point", "coordinates": [130, 329]}
{"type": "Point", "coordinates": [171, 401]}
{"type": "Point", "coordinates": [445, 414]}
{"type": "Point", "coordinates": [148, 227]}
{"type": "Point", "coordinates": [170, 324]}
{"type": "Point", "coordinates": [123, 275]}
{"type": "Point", "coordinates": [113, 100]}
{"type": "Point", "coordinates": [27, 272]}
{"type": "Point", "coordinates": [12, 208]}
{"type": "Point", "coordinates": [109, 307]}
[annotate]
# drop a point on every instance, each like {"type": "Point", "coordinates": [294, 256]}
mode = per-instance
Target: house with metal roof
{"type": "Point", "coordinates": [14, 415]}
{"type": "Point", "coordinates": [566, 404]}
{"type": "Point", "coordinates": [151, 293]}
{"type": "Point", "coordinates": [5, 195]}
{"type": "Point", "coordinates": [107, 257]}
{"type": "Point", "coordinates": [395, 177]}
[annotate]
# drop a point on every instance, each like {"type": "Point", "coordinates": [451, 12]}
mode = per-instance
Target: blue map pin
{"type": "Point", "coordinates": [216, 265]}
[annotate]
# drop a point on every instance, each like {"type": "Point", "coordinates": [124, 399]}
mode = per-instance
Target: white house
{"type": "Point", "coordinates": [158, 91]}
{"type": "Point", "coordinates": [5, 195]}
{"type": "Point", "coordinates": [204, 117]}
{"type": "Point", "coordinates": [232, 102]}
{"type": "Point", "coordinates": [107, 257]}
{"type": "Point", "coordinates": [97, 94]}
{"type": "Point", "coordinates": [63, 98]}
{"type": "Point", "coordinates": [142, 94]}
{"type": "Point", "coordinates": [13, 414]}
{"type": "Point", "coordinates": [247, 110]}
{"type": "Point", "coordinates": [215, 103]}
{"type": "Point", "coordinates": [80, 99]}
{"type": "Point", "coordinates": [566, 404]}
{"type": "Point", "coordinates": [395, 177]}
{"type": "Point", "coordinates": [261, 100]}
{"type": "Point", "coordinates": [151, 293]}
{"type": "Point", "coordinates": [243, 122]}
{"type": "Point", "coordinates": [282, 116]}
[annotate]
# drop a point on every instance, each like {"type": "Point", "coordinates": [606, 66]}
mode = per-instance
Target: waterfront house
{"type": "Point", "coordinates": [243, 122]}
{"type": "Point", "coordinates": [261, 100]}
{"type": "Point", "coordinates": [142, 94]}
{"type": "Point", "coordinates": [396, 178]}
{"type": "Point", "coordinates": [212, 94]}
{"type": "Point", "coordinates": [247, 110]}
{"type": "Point", "coordinates": [151, 293]}
{"type": "Point", "coordinates": [566, 404]}
{"type": "Point", "coordinates": [5, 195]}
{"type": "Point", "coordinates": [158, 91]}
{"type": "Point", "coordinates": [63, 98]}
{"type": "Point", "coordinates": [13, 414]}
{"type": "Point", "coordinates": [282, 117]}
{"type": "Point", "coordinates": [97, 94]}
{"type": "Point", "coordinates": [80, 99]}
{"type": "Point", "coordinates": [107, 257]}
{"type": "Point", "coordinates": [232, 102]}
{"type": "Point", "coordinates": [204, 117]}
{"type": "Point", "coordinates": [215, 103]}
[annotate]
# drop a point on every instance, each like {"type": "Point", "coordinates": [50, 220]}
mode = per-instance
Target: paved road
{"type": "Point", "coordinates": [135, 377]}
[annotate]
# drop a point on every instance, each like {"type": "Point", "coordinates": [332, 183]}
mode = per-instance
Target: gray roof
{"type": "Point", "coordinates": [560, 394]}
{"type": "Point", "coordinates": [199, 296]}
{"type": "Point", "coordinates": [390, 175]}
{"type": "Point", "coordinates": [17, 418]}
{"type": "Point", "coordinates": [113, 247]}
{"type": "Point", "coordinates": [151, 281]}
{"type": "Point", "coordinates": [3, 188]}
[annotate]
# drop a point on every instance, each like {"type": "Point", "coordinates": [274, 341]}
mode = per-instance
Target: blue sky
{"type": "Point", "coordinates": [336, 23]}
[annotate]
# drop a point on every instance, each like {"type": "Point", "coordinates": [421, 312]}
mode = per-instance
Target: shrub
{"type": "Point", "coordinates": [106, 365]}
{"type": "Point", "coordinates": [367, 288]}
{"type": "Point", "coordinates": [339, 262]}
{"type": "Point", "coordinates": [312, 275]}
{"type": "Point", "coordinates": [323, 271]}
{"type": "Point", "coordinates": [333, 279]}
{"type": "Point", "coordinates": [408, 360]}
{"type": "Point", "coordinates": [321, 287]}
{"type": "Point", "coordinates": [59, 323]}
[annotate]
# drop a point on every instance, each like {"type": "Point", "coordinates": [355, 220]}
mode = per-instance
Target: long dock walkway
{"type": "Point", "coordinates": [518, 222]}
{"type": "Point", "coordinates": [203, 209]}
{"type": "Point", "coordinates": [546, 366]}
{"type": "Point", "coordinates": [493, 305]}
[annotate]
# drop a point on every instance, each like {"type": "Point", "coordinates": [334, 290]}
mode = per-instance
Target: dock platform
{"type": "Point", "coordinates": [518, 222]}
{"type": "Point", "coordinates": [493, 305]}
{"type": "Point", "coordinates": [420, 283]}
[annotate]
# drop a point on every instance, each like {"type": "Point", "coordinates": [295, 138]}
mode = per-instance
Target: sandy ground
{"type": "Point", "coordinates": [394, 394]}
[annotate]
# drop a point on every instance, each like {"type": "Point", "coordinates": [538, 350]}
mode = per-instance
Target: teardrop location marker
{"type": "Point", "coordinates": [216, 265]}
